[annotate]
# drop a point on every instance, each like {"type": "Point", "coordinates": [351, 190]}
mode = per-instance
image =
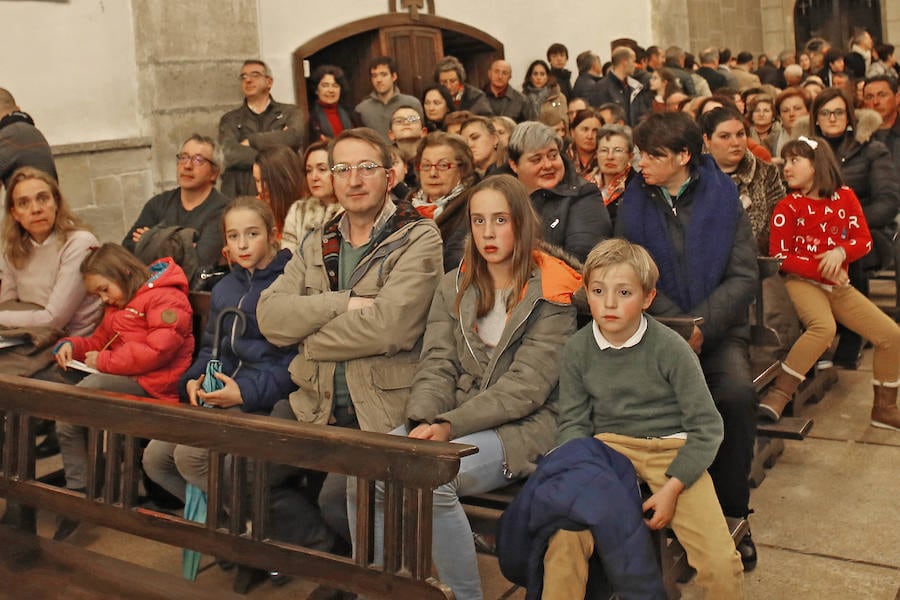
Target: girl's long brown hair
{"type": "Point", "coordinates": [283, 175]}
{"type": "Point", "coordinates": [527, 229]}
{"type": "Point", "coordinates": [115, 263]}
{"type": "Point", "coordinates": [17, 244]}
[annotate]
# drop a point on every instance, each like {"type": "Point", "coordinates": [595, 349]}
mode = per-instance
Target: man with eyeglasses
{"type": "Point", "coordinates": [354, 298]}
{"type": "Point", "coordinates": [376, 111]}
{"type": "Point", "coordinates": [406, 131]}
{"type": "Point", "coordinates": [881, 95]}
{"type": "Point", "coordinates": [259, 123]}
{"type": "Point", "coordinates": [195, 204]}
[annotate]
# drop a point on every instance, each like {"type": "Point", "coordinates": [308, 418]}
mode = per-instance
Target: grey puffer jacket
{"type": "Point", "coordinates": [512, 389]}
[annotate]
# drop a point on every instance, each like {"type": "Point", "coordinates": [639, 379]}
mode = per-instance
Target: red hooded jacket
{"type": "Point", "coordinates": [151, 337]}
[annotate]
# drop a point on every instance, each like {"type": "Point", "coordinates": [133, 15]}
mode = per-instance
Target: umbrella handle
{"type": "Point", "coordinates": [217, 333]}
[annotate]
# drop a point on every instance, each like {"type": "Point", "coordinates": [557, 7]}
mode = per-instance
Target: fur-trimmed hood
{"type": "Point", "coordinates": [867, 123]}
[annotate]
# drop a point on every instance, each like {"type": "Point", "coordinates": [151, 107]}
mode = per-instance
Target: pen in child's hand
{"type": "Point", "coordinates": [106, 345]}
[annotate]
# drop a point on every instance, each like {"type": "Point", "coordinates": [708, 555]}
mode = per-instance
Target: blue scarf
{"type": "Point", "coordinates": [688, 278]}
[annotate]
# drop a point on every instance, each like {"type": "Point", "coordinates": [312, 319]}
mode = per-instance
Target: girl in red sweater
{"type": "Point", "coordinates": [142, 347]}
{"type": "Point", "coordinates": [817, 230]}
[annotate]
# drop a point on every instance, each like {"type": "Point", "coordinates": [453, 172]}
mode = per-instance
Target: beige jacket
{"type": "Point", "coordinates": [379, 344]}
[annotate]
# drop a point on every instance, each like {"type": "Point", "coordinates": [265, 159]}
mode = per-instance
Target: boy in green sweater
{"type": "Point", "coordinates": [637, 386]}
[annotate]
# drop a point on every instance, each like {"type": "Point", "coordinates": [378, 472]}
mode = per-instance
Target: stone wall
{"type": "Point", "coordinates": [736, 24]}
{"type": "Point", "coordinates": [106, 183]}
{"type": "Point", "coordinates": [189, 55]}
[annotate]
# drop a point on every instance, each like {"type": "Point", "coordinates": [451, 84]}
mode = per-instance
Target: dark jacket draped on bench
{"type": "Point", "coordinates": [582, 484]}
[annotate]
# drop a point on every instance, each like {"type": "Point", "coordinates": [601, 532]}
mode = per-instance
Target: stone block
{"type": "Point", "coordinates": [137, 188]}
{"type": "Point", "coordinates": [192, 84]}
{"type": "Point", "coordinates": [115, 162]}
{"type": "Point", "coordinates": [106, 223]}
{"type": "Point", "coordinates": [169, 31]}
{"type": "Point", "coordinates": [107, 192]}
{"type": "Point", "coordinates": [74, 179]}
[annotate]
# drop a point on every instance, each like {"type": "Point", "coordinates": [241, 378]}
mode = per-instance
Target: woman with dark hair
{"type": "Point", "coordinates": [446, 170]}
{"type": "Point", "coordinates": [318, 203]}
{"type": "Point", "coordinates": [437, 103]}
{"type": "Point", "coordinates": [327, 116]}
{"type": "Point", "coordinates": [663, 84]}
{"type": "Point", "coordinates": [279, 178]}
{"type": "Point", "coordinates": [570, 208]}
{"type": "Point", "coordinates": [539, 85]}
{"type": "Point", "coordinates": [868, 170]}
{"type": "Point", "coordinates": [583, 149]}
{"type": "Point", "coordinates": [766, 127]}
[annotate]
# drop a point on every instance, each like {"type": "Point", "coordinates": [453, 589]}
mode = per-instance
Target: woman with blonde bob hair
{"type": "Point", "coordinates": [43, 246]}
{"type": "Point", "coordinates": [489, 367]}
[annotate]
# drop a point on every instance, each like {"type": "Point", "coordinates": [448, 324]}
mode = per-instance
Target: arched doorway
{"type": "Point", "coordinates": [415, 43]}
{"type": "Point", "coordinates": [834, 20]}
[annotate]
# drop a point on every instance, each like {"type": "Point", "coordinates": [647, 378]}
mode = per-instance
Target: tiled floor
{"type": "Point", "coordinates": [826, 521]}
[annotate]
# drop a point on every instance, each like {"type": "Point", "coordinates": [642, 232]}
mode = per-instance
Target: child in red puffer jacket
{"type": "Point", "coordinates": [142, 347]}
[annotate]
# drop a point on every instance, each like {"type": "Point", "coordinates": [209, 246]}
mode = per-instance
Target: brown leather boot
{"type": "Point", "coordinates": [885, 413]}
{"type": "Point", "coordinates": [777, 396]}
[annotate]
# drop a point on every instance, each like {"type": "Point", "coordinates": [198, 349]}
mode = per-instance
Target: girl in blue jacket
{"type": "Point", "coordinates": [254, 372]}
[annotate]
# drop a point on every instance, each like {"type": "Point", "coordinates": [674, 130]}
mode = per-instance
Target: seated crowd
{"type": "Point", "coordinates": [422, 267]}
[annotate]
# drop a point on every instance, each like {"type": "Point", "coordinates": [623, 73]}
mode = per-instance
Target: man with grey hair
{"type": "Point", "coordinates": [675, 63]}
{"type": "Point", "coordinates": [451, 74]}
{"type": "Point", "coordinates": [793, 75]}
{"type": "Point", "coordinates": [709, 69]}
{"type": "Point", "coordinates": [194, 204]}
{"type": "Point", "coordinates": [21, 143]}
{"type": "Point", "coordinates": [259, 123]}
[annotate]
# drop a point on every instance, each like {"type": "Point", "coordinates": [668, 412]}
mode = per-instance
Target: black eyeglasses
{"type": "Point", "coordinates": [196, 159]}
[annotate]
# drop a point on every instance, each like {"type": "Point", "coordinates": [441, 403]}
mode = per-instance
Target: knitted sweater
{"type": "Point", "coordinates": [804, 227]}
{"type": "Point", "coordinates": [597, 394]}
{"type": "Point", "coordinates": [51, 278]}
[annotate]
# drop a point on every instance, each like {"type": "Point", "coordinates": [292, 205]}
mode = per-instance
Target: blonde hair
{"type": "Point", "coordinates": [17, 246]}
{"type": "Point", "coordinates": [616, 251]}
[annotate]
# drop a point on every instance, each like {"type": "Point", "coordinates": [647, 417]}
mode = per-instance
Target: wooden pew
{"type": "Point", "coordinates": [412, 469]}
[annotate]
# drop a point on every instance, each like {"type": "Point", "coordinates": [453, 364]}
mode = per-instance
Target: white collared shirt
{"type": "Point", "coordinates": [632, 341]}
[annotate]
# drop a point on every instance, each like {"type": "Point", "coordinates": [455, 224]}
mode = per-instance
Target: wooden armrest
{"type": "Point", "coordinates": [683, 326]}
{"type": "Point", "coordinates": [788, 428]}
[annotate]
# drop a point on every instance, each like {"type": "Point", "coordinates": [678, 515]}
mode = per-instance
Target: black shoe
{"type": "Point", "coordinates": [247, 578]}
{"type": "Point", "coordinates": [747, 550]}
{"type": "Point", "coordinates": [49, 447]}
{"type": "Point", "coordinates": [278, 579]}
{"type": "Point", "coordinates": [65, 528]}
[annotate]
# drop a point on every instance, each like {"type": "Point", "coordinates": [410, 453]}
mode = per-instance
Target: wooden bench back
{"type": "Point", "coordinates": [411, 469]}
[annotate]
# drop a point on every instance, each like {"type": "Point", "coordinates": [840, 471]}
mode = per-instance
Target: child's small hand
{"type": "Point", "coordinates": [64, 355]}
{"type": "Point", "coordinates": [90, 359]}
{"type": "Point", "coordinates": [228, 396]}
{"type": "Point", "coordinates": [192, 387]}
{"type": "Point", "coordinates": [830, 263]}
{"type": "Point", "coordinates": [663, 504]}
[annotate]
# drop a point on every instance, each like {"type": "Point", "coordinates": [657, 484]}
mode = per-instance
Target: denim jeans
{"type": "Point", "coordinates": [453, 548]}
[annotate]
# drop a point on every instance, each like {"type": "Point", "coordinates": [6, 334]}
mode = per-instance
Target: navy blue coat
{"type": "Point", "coordinates": [582, 484]}
{"type": "Point", "coordinates": [259, 368]}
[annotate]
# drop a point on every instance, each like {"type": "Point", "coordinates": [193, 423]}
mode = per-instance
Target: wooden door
{"type": "Point", "coordinates": [417, 51]}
